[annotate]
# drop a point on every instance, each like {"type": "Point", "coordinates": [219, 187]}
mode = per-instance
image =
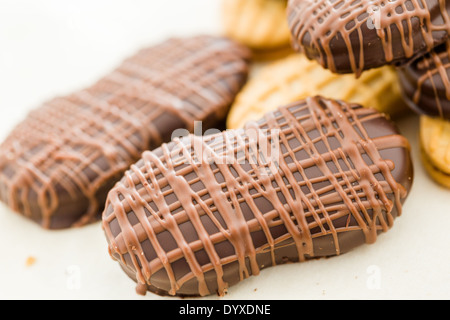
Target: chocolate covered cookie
{"type": "Point", "coordinates": [425, 83]}
{"type": "Point", "coordinates": [435, 148]}
{"type": "Point", "coordinates": [57, 166]}
{"type": "Point", "coordinates": [313, 179]}
{"type": "Point", "coordinates": [350, 36]}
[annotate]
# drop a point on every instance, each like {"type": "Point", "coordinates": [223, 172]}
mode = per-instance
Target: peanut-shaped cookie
{"type": "Point", "coordinates": [312, 179]}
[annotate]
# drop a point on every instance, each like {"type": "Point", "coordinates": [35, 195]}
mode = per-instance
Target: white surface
{"type": "Point", "coordinates": [50, 48]}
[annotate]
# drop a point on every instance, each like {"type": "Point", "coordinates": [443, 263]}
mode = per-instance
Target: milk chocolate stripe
{"type": "Point", "coordinates": [374, 192]}
{"type": "Point", "coordinates": [440, 68]}
{"type": "Point", "coordinates": [326, 20]}
{"type": "Point", "coordinates": [425, 83]}
{"type": "Point", "coordinates": [324, 199]}
{"type": "Point", "coordinates": [142, 193]}
{"type": "Point", "coordinates": [181, 172]}
{"type": "Point", "coordinates": [79, 180]}
{"type": "Point", "coordinates": [100, 129]}
{"type": "Point", "coordinates": [181, 218]}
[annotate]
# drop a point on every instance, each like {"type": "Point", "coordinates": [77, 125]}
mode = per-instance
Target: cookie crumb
{"type": "Point", "coordinates": [30, 261]}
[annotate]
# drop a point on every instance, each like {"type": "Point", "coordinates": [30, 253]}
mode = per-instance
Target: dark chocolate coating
{"type": "Point", "coordinates": [58, 165]}
{"type": "Point", "coordinates": [352, 36]}
{"type": "Point", "coordinates": [184, 227]}
{"type": "Point", "coordinates": [425, 83]}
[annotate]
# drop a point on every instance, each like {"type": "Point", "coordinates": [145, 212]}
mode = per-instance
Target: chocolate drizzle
{"type": "Point", "coordinates": [351, 36]}
{"type": "Point", "coordinates": [425, 83]}
{"type": "Point", "coordinates": [181, 226]}
{"type": "Point", "coordinates": [57, 166]}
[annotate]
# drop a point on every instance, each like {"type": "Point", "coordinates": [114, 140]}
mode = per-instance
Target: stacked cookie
{"type": "Point", "coordinates": [354, 36]}
{"type": "Point", "coordinates": [426, 87]}
{"type": "Point", "coordinates": [311, 167]}
{"type": "Point", "coordinates": [401, 45]}
{"type": "Point", "coordinates": [332, 50]}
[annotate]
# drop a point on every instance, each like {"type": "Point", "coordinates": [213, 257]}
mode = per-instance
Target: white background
{"type": "Point", "coordinates": [53, 47]}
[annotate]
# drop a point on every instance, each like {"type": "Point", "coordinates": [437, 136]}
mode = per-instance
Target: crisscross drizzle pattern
{"type": "Point", "coordinates": [426, 82]}
{"type": "Point", "coordinates": [173, 218]}
{"type": "Point", "coordinates": [421, 25]}
{"type": "Point", "coordinates": [74, 145]}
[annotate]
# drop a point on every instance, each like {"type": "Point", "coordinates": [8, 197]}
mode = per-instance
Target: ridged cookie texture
{"type": "Point", "coordinates": [260, 24]}
{"type": "Point", "coordinates": [57, 166]}
{"type": "Point", "coordinates": [350, 36]}
{"type": "Point", "coordinates": [435, 148]}
{"type": "Point", "coordinates": [313, 179]}
{"type": "Point", "coordinates": [296, 77]}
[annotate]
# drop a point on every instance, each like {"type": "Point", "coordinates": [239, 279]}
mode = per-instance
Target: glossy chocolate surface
{"type": "Point", "coordinates": [312, 179]}
{"type": "Point", "coordinates": [351, 36]}
{"type": "Point", "coordinates": [57, 166]}
{"type": "Point", "coordinates": [425, 83]}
